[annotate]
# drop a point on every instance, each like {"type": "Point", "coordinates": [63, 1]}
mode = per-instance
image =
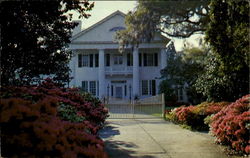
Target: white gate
{"type": "Point", "coordinates": [151, 107]}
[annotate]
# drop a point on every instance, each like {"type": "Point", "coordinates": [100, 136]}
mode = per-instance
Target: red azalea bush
{"type": "Point", "coordinates": [32, 124]}
{"type": "Point", "coordinates": [232, 124]}
{"type": "Point", "coordinates": [194, 116]}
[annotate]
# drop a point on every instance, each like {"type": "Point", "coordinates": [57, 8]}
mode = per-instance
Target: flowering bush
{"type": "Point", "coordinates": [48, 121]}
{"type": "Point", "coordinates": [231, 125]}
{"type": "Point", "coordinates": [194, 116]}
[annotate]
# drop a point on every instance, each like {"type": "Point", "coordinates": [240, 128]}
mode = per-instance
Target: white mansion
{"type": "Point", "coordinates": [98, 67]}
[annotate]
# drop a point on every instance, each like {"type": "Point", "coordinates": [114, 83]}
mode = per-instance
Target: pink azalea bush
{"type": "Point", "coordinates": [232, 124]}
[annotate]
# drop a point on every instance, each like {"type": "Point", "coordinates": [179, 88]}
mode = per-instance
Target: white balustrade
{"type": "Point", "coordinates": [119, 70]}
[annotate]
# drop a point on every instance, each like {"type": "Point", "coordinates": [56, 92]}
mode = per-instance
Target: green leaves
{"type": "Point", "coordinates": [226, 76]}
{"type": "Point", "coordinates": [69, 113]}
{"type": "Point", "coordinates": [34, 38]}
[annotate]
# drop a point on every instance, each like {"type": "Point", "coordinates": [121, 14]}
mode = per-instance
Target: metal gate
{"type": "Point", "coordinates": [152, 107]}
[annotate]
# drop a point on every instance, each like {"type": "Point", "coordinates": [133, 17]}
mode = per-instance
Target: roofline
{"type": "Point", "coordinates": [98, 23]}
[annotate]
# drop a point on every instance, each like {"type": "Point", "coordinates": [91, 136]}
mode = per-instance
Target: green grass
{"type": "Point", "coordinates": [149, 109]}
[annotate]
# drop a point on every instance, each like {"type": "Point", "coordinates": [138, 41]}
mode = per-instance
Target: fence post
{"type": "Point", "coordinates": [163, 104]}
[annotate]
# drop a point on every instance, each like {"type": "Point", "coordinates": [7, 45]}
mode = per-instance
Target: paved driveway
{"type": "Point", "coordinates": [155, 138]}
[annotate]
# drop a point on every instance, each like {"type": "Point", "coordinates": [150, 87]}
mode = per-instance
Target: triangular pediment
{"type": "Point", "coordinates": [103, 30]}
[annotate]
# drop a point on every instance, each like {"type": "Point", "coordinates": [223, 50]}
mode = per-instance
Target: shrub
{"type": "Point", "coordinates": [194, 116]}
{"type": "Point", "coordinates": [48, 121]}
{"type": "Point", "coordinates": [231, 125]}
{"type": "Point", "coordinates": [33, 130]}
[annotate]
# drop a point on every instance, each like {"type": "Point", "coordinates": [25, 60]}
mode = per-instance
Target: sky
{"type": "Point", "coordinates": [104, 8]}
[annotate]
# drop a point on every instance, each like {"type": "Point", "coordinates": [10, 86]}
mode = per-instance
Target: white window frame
{"type": "Point", "coordinates": [92, 87]}
{"type": "Point", "coordinates": [85, 63]}
{"type": "Point", "coordinates": [118, 59]}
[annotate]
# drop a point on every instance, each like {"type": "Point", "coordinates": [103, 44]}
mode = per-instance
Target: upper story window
{"type": "Point", "coordinates": [88, 60]}
{"type": "Point", "coordinates": [85, 60]}
{"type": "Point", "coordinates": [149, 59]}
{"type": "Point", "coordinates": [118, 59]}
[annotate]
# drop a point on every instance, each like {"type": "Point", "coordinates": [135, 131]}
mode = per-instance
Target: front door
{"type": "Point", "coordinates": [118, 92]}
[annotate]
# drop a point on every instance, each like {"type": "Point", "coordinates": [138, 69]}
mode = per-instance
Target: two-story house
{"type": "Point", "coordinates": [98, 67]}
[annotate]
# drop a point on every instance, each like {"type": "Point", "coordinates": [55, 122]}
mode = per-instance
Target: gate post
{"type": "Point", "coordinates": [163, 104]}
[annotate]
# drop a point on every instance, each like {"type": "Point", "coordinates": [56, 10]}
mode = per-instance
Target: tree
{"type": "Point", "coordinates": [227, 70]}
{"type": "Point", "coordinates": [34, 38]}
{"type": "Point", "coordinates": [173, 18]}
{"type": "Point", "coordinates": [185, 67]}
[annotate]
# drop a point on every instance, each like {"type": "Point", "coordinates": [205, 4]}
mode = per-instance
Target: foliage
{"type": "Point", "coordinates": [33, 130]}
{"type": "Point", "coordinates": [48, 121]}
{"type": "Point", "coordinates": [34, 38]}
{"type": "Point", "coordinates": [226, 74]}
{"type": "Point", "coordinates": [168, 91]}
{"type": "Point", "coordinates": [173, 18]}
{"type": "Point", "coordinates": [193, 116]}
{"type": "Point", "coordinates": [69, 113]}
{"type": "Point", "coordinates": [183, 68]}
{"type": "Point", "coordinates": [231, 125]}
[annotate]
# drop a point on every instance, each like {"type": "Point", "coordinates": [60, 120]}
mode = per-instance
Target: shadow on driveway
{"type": "Point", "coordinates": [118, 149]}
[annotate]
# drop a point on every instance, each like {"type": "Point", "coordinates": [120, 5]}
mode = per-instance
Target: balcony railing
{"type": "Point", "coordinates": [119, 70]}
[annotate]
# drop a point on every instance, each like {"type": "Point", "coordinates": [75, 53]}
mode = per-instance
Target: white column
{"type": "Point", "coordinates": [163, 58]}
{"type": "Point", "coordinates": [73, 65]}
{"type": "Point", "coordinates": [101, 74]}
{"type": "Point", "coordinates": [135, 73]}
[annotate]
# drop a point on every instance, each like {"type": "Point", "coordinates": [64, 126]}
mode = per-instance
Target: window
{"type": "Point", "coordinates": [85, 86]}
{"type": "Point", "coordinates": [148, 87]}
{"type": "Point", "coordinates": [118, 59]}
{"type": "Point", "coordinates": [96, 60]}
{"type": "Point", "coordinates": [150, 59]}
{"type": "Point", "coordinates": [129, 59]}
{"type": "Point", "coordinates": [107, 59]}
{"type": "Point", "coordinates": [92, 87]}
{"type": "Point", "coordinates": [85, 60]}
{"type": "Point", "coordinates": [179, 92]}
{"type": "Point", "coordinates": [88, 60]}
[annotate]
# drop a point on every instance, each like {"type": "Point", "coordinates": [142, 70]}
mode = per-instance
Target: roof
{"type": "Point", "coordinates": [98, 23]}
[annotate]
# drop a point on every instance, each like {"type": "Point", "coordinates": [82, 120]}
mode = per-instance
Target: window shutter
{"type": "Point", "coordinates": [156, 59]}
{"type": "Point", "coordinates": [153, 87]}
{"type": "Point", "coordinates": [112, 90]}
{"type": "Point", "coordinates": [96, 60]}
{"type": "Point", "coordinates": [91, 60]}
{"type": "Point", "coordinates": [140, 61]}
{"type": "Point", "coordinates": [85, 86]}
{"type": "Point", "coordinates": [79, 60]}
{"type": "Point", "coordinates": [145, 60]}
{"type": "Point", "coordinates": [128, 59]}
{"type": "Point", "coordinates": [107, 59]}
